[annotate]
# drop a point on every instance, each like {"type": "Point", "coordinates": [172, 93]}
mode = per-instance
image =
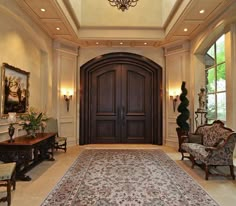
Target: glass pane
{"type": "Point", "coordinates": [221, 82]}
{"type": "Point", "coordinates": [210, 57]}
{"type": "Point", "coordinates": [210, 80]}
{"type": "Point", "coordinates": [221, 106]}
{"type": "Point", "coordinates": [210, 121]}
{"type": "Point", "coordinates": [220, 49]}
{"type": "Point", "coordinates": [211, 106]}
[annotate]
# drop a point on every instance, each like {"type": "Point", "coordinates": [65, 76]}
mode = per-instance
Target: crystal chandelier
{"type": "Point", "coordinates": [123, 4]}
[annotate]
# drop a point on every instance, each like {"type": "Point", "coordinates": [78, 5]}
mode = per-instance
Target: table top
{"type": "Point", "coordinates": [26, 140]}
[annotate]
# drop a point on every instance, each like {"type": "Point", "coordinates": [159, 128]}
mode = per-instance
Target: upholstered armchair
{"type": "Point", "coordinates": [214, 147]}
{"type": "Point", "coordinates": [52, 126]}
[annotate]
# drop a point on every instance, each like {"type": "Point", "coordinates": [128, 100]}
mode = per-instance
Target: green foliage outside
{"type": "Point", "coordinates": [219, 58]}
{"type": "Point", "coordinates": [216, 80]}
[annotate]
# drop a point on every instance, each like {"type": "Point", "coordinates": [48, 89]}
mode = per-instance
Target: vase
{"type": "Point", "coordinates": [31, 133]}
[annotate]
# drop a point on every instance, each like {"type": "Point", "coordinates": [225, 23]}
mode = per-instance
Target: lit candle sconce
{"type": "Point", "coordinates": [67, 93]}
{"type": "Point", "coordinates": [174, 97]}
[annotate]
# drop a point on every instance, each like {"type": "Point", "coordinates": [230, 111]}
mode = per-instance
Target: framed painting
{"type": "Point", "coordinates": [15, 90]}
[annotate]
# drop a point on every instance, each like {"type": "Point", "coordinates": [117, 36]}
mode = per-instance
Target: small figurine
{"type": "Point", "coordinates": [202, 99]}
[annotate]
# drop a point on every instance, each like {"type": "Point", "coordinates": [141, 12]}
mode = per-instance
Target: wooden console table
{"type": "Point", "coordinates": [27, 152]}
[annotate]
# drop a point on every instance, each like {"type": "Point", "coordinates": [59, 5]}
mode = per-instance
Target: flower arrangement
{"type": "Point", "coordinates": [33, 120]}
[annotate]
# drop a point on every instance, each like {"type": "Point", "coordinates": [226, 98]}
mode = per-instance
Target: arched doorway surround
{"type": "Point", "coordinates": [121, 100]}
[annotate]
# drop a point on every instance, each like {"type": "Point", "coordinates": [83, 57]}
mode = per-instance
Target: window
{"type": "Point", "coordinates": [216, 81]}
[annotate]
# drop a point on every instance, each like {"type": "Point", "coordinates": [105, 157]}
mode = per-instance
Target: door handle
{"type": "Point", "coordinates": [123, 115]}
{"type": "Point", "coordinates": [119, 113]}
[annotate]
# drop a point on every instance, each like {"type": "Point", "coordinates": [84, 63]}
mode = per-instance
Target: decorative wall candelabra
{"type": "Point", "coordinates": [67, 97]}
{"type": "Point", "coordinates": [174, 95]}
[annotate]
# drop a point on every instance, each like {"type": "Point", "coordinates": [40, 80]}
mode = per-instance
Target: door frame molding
{"type": "Point", "coordinates": [122, 58]}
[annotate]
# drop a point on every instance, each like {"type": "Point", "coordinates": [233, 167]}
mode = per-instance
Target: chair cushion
{"type": "Point", "coordinates": [196, 150]}
{"type": "Point", "coordinates": [60, 139]}
{"type": "Point", "coordinates": [6, 170]}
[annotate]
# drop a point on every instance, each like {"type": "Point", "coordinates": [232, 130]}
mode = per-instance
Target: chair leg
{"type": "Point", "coordinates": [65, 145]}
{"type": "Point", "coordinates": [192, 160]}
{"type": "Point", "coordinates": [232, 171]}
{"type": "Point", "coordinates": [8, 192]}
{"type": "Point", "coordinates": [13, 179]}
{"type": "Point", "coordinates": [207, 172]}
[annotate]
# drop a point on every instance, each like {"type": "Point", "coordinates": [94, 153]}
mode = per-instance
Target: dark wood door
{"type": "Point", "coordinates": [121, 104]}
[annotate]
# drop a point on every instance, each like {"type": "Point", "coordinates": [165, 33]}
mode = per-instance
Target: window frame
{"type": "Point", "coordinates": [215, 92]}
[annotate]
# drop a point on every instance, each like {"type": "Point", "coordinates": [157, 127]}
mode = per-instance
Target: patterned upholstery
{"type": "Point", "coordinates": [7, 179]}
{"type": "Point", "coordinates": [217, 146]}
{"type": "Point", "coordinates": [6, 170]}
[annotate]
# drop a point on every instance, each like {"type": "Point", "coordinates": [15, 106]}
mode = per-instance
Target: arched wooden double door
{"type": "Point", "coordinates": [119, 101]}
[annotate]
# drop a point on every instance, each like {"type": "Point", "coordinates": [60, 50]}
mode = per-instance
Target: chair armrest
{"type": "Point", "coordinates": [218, 145]}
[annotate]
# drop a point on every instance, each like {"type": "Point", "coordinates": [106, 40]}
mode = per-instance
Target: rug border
{"type": "Point", "coordinates": [159, 149]}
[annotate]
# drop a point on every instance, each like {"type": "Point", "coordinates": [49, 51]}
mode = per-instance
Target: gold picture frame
{"type": "Point", "coordinates": [15, 90]}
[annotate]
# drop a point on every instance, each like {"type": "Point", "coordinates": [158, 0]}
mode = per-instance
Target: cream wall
{"type": "Point", "coordinates": [65, 78]}
{"type": "Point", "coordinates": [177, 70]}
{"type": "Point", "coordinates": [25, 46]}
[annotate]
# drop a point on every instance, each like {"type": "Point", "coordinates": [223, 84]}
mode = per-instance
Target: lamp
{"type": "Point", "coordinates": [174, 97]}
{"type": "Point", "coordinates": [67, 97]}
{"type": "Point", "coordinates": [123, 4]}
{"type": "Point", "coordinates": [11, 120]}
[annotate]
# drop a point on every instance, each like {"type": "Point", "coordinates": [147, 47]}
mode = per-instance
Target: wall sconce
{"type": "Point", "coordinates": [174, 97]}
{"type": "Point", "coordinates": [67, 97]}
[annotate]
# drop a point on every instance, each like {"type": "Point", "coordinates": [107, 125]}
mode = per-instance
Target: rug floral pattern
{"type": "Point", "coordinates": [126, 178]}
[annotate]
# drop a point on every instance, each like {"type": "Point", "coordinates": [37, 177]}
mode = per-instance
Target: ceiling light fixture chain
{"type": "Point", "coordinates": [123, 4]}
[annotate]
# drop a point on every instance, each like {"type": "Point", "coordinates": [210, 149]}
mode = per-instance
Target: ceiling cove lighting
{"type": "Point", "coordinates": [123, 4]}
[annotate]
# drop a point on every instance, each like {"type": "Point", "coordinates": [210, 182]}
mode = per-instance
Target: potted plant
{"type": "Point", "coordinates": [32, 121]}
{"type": "Point", "coordinates": [182, 119]}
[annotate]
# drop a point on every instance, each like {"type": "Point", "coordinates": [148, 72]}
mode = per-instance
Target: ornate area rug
{"type": "Point", "coordinates": [126, 177]}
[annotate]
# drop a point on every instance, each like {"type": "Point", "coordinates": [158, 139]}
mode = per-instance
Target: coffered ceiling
{"type": "Point", "coordinates": [150, 23]}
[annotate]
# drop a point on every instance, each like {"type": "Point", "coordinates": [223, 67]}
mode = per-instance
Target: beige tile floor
{"type": "Point", "coordinates": [47, 174]}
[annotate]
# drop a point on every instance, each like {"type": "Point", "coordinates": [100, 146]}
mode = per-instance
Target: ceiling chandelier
{"type": "Point", "coordinates": [123, 4]}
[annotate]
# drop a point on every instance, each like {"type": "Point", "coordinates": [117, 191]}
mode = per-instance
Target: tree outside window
{"type": "Point", "coordinates": [216, 81]}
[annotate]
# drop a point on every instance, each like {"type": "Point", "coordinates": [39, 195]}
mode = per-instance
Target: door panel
{"type": "Point", "coordinates": [118, 106]}
{"type": "Point", "coordinates": [137, 104]}
{"type": "Point", "coordinates": [106, 99]}
{"type": "Point", "coordinates": [135, 92]}
{"type": "Point", "coordinates": [121, 109]}
{"type": "Point", "coordinates": [105, 96]}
